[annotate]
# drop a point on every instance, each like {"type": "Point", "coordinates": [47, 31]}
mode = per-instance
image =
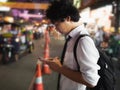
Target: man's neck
{"type": "Point", "coordinates": [74, 25]}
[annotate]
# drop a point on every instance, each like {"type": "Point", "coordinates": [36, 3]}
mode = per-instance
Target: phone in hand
{"type": "Point", "coordinates": [41, 59]}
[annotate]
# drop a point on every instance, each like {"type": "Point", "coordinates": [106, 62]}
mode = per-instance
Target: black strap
{"type": "Point", "coordinates": [64, 49]}
{"type": "Point", "coordinates": [62, 58]}
{"type": "Point", "coordinates": [100, 51]}
{"type": "Point", "coordinates": [75, 48]}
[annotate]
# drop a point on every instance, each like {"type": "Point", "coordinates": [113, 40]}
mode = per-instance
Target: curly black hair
{"type": "Point", "coordinates": [60, 9]}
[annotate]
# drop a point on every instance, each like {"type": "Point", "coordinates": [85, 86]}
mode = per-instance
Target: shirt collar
{"type": "Point", "coordinates": [76, 30]}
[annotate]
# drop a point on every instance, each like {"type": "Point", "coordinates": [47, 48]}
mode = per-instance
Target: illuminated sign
{"type": "Point", "coordinates": [24, 5]}
{"type": "Point", "coordinates": [77, 3]}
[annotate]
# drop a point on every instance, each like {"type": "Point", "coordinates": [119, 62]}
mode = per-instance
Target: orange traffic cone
{"type": "Point", "coordinates": [46, 51]}
{"type": "Point", "coordinates": [38, 81]}
{"type": "Point", "coordinates": [47, 37]}
{"type": "Point", "coordinates": [45, 68]}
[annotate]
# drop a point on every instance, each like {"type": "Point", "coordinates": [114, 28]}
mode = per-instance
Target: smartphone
{"type": "Point", "coordinates": [41, 59]}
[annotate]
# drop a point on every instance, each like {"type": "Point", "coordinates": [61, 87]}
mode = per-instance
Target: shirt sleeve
{"type": "Point", "coordinates": [87, 55]}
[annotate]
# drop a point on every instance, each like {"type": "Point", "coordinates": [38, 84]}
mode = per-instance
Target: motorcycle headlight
{"type": "Point", "coordinates": [5, 39]}
{"type": "Point", "coordinates": [17, 39]}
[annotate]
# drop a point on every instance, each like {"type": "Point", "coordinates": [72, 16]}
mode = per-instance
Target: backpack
{"type": "Point", "coordinates": [107, 73]}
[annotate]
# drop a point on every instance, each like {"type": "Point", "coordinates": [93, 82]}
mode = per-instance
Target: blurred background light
{"type": "Point", "coordinates": [3, 0]}
{"type": "Point", "coordinates": [9, 19]}
{"type": "Point", "coordinates": [4, 8]}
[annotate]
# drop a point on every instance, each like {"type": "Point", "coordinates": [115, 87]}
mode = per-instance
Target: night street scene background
{"type": "Point", "coordinates": [23, 32]}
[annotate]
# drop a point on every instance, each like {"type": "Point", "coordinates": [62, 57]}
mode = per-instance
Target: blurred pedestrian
{"type": "Point", "coordinates": [66, 19]}
{"type": "Point", "coordinates": [99, 36]}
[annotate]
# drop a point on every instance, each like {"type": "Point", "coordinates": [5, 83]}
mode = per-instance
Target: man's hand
{"type": "Point", "coordinates": [54, 63]}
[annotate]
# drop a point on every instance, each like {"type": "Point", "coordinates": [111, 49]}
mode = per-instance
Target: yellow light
{"type": "Point", "coordinates": [77, 3]}
{"type": "Point", "coordinates": [9, 19]}
{"type": "Point", "coordinates": [24, 5]}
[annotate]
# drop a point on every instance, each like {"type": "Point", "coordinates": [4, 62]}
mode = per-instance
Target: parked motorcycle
{"type": "Point", "coordinates": [12, 47]}
{"type": "Point", "coordinates": [29, 40]}
{"type": "Point", "coordinates": [7, 48]}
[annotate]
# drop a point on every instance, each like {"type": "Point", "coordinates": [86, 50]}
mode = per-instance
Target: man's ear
{"type": "Point", "coordinates": [68, 18]}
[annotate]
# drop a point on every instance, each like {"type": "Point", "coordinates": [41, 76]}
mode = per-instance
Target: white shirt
{"type": "Point", "coordinates": [87, 56]}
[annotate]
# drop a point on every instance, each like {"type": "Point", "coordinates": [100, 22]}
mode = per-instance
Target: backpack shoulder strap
{"type": "Point", "coordinates": [75, 48]}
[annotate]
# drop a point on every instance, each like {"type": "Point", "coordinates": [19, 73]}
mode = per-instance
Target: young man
{"type": "Point", "coordinates": [66, 19]}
